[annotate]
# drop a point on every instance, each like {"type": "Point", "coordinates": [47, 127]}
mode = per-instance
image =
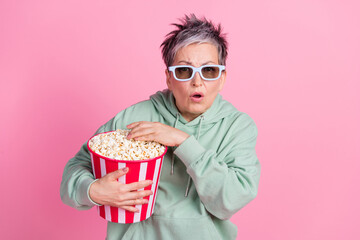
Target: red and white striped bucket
{"type": "Point", "coordinates": [139, 170]}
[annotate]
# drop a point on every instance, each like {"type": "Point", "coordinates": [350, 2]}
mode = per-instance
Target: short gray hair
{"type": "Point", "coordinates": [193, 30]}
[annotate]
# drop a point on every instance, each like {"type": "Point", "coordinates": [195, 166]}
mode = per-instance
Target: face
{"type": "Point", "coordinates": [195, 96]}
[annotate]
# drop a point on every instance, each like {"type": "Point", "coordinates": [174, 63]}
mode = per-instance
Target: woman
{"type": "Point", "coordinates": [210, 172]}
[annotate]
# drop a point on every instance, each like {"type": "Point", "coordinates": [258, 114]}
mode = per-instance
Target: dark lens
{"type": "Point", "coordinates": [210, 72]}
{"type": "Point", "coordinates": [183, 72]}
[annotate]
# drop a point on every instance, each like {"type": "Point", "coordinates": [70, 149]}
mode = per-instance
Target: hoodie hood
{"type": "Point", "coordinates": [164, 102]}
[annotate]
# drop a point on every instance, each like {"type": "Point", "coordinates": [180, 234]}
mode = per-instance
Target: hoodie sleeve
{"type": "Point", "coordinates": [226, 179]}
{"type": "Point", "coordinates": [77, 176]}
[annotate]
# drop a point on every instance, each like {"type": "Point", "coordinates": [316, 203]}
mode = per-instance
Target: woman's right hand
{"type": "Point", "coordinates": [108, 191]}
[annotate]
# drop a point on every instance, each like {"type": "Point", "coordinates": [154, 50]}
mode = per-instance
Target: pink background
{"type": "Point", "coordinates": [66, 67]}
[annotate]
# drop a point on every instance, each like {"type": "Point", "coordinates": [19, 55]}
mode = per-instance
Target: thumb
{"type": "Point", "coordinates": [118, 173]}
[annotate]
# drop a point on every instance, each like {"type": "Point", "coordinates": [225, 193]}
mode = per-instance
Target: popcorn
{"type": "Point", "coordinates": [115, 145]}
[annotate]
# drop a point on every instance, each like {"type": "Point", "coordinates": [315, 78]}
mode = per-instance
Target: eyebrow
{"type": "Point", "coordinates": [190, 63]}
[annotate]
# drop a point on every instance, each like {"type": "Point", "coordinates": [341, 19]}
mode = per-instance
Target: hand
{"type": "Point", "coordinates": [158, 132]}
{"type": "Point", "coordinates": [108, 191]}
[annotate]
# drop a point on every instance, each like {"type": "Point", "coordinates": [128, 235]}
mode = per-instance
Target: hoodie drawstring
{"type": "Point", "coordinates": [197, 138]}
{"type": "Point", "coordinates": [173, 156]}
{"type": "Point", "coordinates": [199, 129]}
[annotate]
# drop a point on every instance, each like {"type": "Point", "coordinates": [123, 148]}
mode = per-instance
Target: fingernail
{"type": "Point", "coordinates": [125, 169]}
{"type": "Point", "coordinates": [146, 201]}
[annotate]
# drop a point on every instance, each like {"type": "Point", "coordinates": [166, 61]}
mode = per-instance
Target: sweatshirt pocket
{"type": "Point", "coordinates": [174, 228]}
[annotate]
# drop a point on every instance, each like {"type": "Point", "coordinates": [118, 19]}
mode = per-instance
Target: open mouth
{"type": "Point", "coordinates": [197, 96]}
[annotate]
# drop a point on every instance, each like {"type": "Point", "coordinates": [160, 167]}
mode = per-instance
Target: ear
{"type": "Point", "coordinates": [168, 76]}
{"type": "Point", "coordinates": [222, 80]}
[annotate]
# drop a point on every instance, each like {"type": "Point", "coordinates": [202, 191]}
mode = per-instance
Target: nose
{"type": "Point", "coordinates": [197, 81]}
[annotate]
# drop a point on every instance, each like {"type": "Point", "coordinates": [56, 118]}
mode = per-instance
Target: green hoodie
{"type": "Point", "coordinates": [203, 182]}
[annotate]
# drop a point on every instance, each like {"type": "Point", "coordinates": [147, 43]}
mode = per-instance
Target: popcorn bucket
{"type": "Point", "coordinates": [148, 169]}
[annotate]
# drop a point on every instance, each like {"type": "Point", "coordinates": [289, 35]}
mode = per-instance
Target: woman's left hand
{"type": "Point", "coordinates": [158, 132]}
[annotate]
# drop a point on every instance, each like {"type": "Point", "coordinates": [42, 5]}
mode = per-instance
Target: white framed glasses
{"type": "Point", "coordinates": [187, 72]}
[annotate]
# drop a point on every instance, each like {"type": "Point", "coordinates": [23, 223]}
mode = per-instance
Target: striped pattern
{"type": "Point", "coordinates": [138, 171]}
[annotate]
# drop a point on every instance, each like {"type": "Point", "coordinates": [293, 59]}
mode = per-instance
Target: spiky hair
{"type": "Point", "coordinates": [193, 30]}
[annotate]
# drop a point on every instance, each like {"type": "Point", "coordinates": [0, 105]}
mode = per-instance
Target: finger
{"type": "Point", "coordinates": [118, 173]}
{"type": "Point", "coordinates": [138, 185]}
{"type": "Point", "coordinates": [134, 124]}
{"type": "Point", "coordinates": [135, 195]}
{"type": "Point", "coordinates": [130, 208]}
{"type": "Point", "coordinates": [134, 202]}
{"type": "Point", "coordinates": [142, 130]}
{"type": "Point", "coordinates": [149, 137]}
